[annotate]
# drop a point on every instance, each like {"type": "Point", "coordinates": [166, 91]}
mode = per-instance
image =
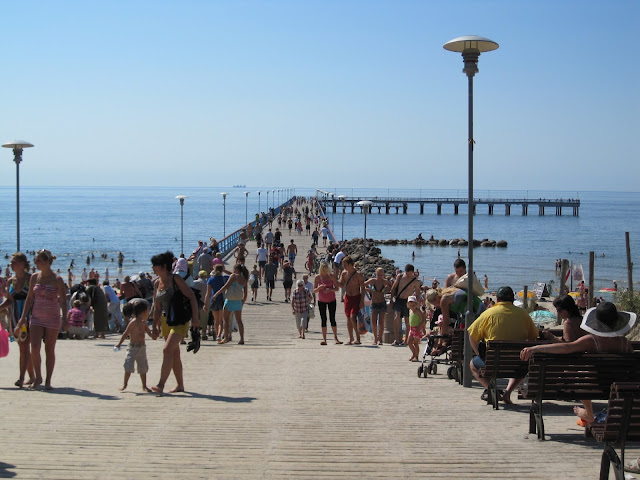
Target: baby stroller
{"type": "Point", "coordinates": [430, 359]}
{"type": "Point", "coordinates": [430, 365]}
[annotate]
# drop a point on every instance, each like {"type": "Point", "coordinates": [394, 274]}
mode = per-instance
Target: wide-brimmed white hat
{"type": "Point", "coordinates": [606, 321]}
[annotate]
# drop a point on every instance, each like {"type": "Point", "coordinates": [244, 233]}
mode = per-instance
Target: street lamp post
{"type": "Point", "coordinates": [342, 197]}
{"type": "Point", "coordinates": [365, 204]}
{"type": "Point", "coordinates": [17, 146]}
{"type": "Point", "coordinates": [259, 192]}
{"type": "Point", "coordinates": [181, 198]}
{"type": "Point", "coordinates": [267, 201]}
{"type": "Point", "coordinates": [470, 46]}
{"type": "Point", "coordinates": [224, 214]}
{"type": "Point", "coordinates": [246, 208]}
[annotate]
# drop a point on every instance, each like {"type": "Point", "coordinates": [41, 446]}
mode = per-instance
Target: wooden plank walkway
{"type": "Point", "coordinates": [277, 407]}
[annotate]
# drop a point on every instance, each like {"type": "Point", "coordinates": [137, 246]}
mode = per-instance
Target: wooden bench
{"type": "Point", "coordinates": [457, 355]}
{"type": "Point", "coordinates": [502, 360]}
{"type": "Point", "coordinates": [584, 376]}
{"type": "Point", "coordinates": [621, 425]}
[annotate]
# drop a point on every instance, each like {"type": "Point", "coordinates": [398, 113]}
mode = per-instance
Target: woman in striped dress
{"type": "Point", "coordinates": [46, 299]}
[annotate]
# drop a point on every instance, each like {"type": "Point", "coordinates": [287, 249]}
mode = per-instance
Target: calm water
{"type": "Point", "coordinates": [73, 222]}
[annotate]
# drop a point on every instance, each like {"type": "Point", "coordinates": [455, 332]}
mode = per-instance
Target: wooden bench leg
{"type": "Point", "coordinates": [536, 411]}
{"type": "Point", "coordinates": [532, 419]}
{"type": "Point", "coordinates": [493, 394]}
{"type": "Point", "coordinates": [610, 457]}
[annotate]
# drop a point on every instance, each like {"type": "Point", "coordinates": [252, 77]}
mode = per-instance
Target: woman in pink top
{"type": "Point", "coordinates": [48, 296]}
{"type": "Point", "coordinates": [325, 286]}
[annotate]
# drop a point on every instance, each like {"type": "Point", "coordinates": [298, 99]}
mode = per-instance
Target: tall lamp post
{"type": "Point", "coordinates": [267, 201]}
{"type": "Point", "coordinates": [17, 146]}
{"type": "Point", "coordinates": [259, 192]}
{"type": "Point", "coordinates": [224, 214]}
{"type": "Point", "coordinates": [471, 46]}
{"type": "Point", "coordinates": [342, 197]}
{"type": "Point", "coordinates": [365, 204]}
{"type": "Point", "coordinates": [246, 208]}
{"type": "Point", "coordinates": [181, 198]}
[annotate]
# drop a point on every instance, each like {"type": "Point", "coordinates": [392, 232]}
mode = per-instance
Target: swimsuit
{"type": "Point", "coordinates": [351, 305]}
{"type": "Point", "coordinates": [46, 309]}
{"type": "Point", "coordinates": [18, 302]}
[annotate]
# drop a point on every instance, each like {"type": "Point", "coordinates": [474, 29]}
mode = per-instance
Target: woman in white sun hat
{"type": "Point", "coordinates": [606, 327]}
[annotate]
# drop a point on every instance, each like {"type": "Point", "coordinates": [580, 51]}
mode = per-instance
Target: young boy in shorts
{"type": "Point", "coordinates": [137, 351]}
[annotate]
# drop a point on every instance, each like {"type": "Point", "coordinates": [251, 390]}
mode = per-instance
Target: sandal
{"type": "Point", "coordinates": [323, 343]}
{"type": "Point", "coordinates": [485, 395]}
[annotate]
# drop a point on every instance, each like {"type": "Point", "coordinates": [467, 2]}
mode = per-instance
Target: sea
{"type": "Point", "coordinates": [75, 222]}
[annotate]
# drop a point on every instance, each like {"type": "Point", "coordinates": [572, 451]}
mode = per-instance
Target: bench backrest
{"type": "Point", "coordinates": [457, 345]}
{"type": "Point", "coordinates": [623, 417]}
{"type": "Point", "coordinates": [584, 376]}
{"type": "Point", "coordinates": [502, 359]}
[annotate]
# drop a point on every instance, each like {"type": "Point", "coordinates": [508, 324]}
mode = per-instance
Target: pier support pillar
{"type": "Point", "coordinates": [386, 208]}
{"type": "Point", "coordinates": [422, 209]}
{"type": "Point", "coordinates": [507, 209]}
{"type": "Point", "coordinates": [404, 208]}
{"type": "Point", "coordinates": [439, 209]}
{"type": "Point", "coordinates": [525, 209]}
{"type": "Point", "coordinates": [490, 209]}
{"type": "Point", "coordinates": [455, 208]}
{"type": "Point", "coordinates": [397, 210]}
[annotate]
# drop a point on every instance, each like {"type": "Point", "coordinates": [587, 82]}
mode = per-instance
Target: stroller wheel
{"type": "Point", "coordinates": [434, 370]}
{"type": "Point", "coordinates": [450, 372]}
{"type": "Point", "coordinates": [420, 371]}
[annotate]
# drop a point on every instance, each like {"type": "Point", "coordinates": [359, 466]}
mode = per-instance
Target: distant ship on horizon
{"type": "Point", "coordinates": [239, 186]}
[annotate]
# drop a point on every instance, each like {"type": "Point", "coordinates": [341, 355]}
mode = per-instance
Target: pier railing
{"type": "Point", "coordinates": [402, 203]}
{"type": "Point", "coordinates": [228, 244]}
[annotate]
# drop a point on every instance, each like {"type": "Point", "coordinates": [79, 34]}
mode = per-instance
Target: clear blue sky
{"type": "Point", "coordinates": [320, 93]}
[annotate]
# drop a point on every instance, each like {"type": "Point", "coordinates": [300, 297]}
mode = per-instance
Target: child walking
{"type": "Point", "coordinates": [137, 351]}
{"type": "Point", "coordinates": [254, 277]}
{"type": "Point", "coordinates": [417, 323]}
{"type": "Point", "coordinates": [300, 299]}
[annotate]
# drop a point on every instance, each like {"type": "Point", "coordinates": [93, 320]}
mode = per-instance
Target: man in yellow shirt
{"type": "Point", "coordinates": [504, 321]}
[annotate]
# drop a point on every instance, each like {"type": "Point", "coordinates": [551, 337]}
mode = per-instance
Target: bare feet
{"type": "Point", "coordinates": [506, 397]}
{"type": "Point", "coordinates": [157, 389]}
{"type": "Point", "coordinates": [36, 383]}
{"type": "Point", "coordinates": [582, 413]}
{"type": "Point", "coordinates": [357, 342]}
{"type": "Point", "coordinates": [122, 388]}
{"type": "Point", "coordinates": [48, 387]}
{"type": "Point", "coordinates": [350, 342]}
{"type": "Point", "coordinates": [177, 389]}
{"type": "Point", "coordinates": [29, 382]}
{"type": "Point", "coordinates": [19, 383]}
{"type": "Point", "coordinates": [146, 389]}
{"type": "Point", "coordinates": [241, 342]}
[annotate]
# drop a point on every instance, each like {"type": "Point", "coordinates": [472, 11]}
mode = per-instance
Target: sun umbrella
{"type": "Point", "coordinates": [530, 294]}
{"type": "Point", "coordinates": [574, 294]}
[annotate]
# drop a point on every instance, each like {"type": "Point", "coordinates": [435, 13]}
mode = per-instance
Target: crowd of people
{"type": "Point", "coordinates": [42, 307]}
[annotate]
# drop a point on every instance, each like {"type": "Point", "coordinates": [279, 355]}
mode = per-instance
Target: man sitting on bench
{"type": "Point", "coordinates": [506, 322]}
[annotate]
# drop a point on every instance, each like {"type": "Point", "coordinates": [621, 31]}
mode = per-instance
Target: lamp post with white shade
{"type": "Point", "coordinates": [342, 197]}
{"type": "Point", "coordinates": [181, 198]}
{"type": "Point", "coordinates": [470, 46]}
{"type": "Point", "coordinates": [17, 146]}
{"type": "Point", "coordinates": [365, 204]}
{"type": "Point", "coordinates": [224, 214]}
{"type": "Point", "coordinates": [259, 192]}
{"type": "Point", "coordinates": [246, 208]}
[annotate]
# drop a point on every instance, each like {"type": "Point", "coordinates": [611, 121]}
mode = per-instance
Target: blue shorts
{"type": "Point", "coordinates": [477, 362]}
{"type": "Point", "coordinates": [233, 305]}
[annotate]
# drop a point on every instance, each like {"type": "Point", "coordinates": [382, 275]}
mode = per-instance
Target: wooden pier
{"type": "Point", "coordinates": [401, 204]}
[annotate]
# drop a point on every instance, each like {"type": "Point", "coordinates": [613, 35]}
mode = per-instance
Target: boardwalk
{"type": "Point", "coordinates": [277, 407]}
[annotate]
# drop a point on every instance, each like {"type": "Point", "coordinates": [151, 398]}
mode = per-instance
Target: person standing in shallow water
{"type": "Point", "coordinates": [47, 297]}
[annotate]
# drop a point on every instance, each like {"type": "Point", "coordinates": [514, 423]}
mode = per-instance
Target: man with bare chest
{"type": "Point", "coordinates": [353, 283]}
{"type": "Point", "coordinates": [403, 287]}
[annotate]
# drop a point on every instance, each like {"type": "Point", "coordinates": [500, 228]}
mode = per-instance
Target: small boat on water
{"type": "Point", "coordinates": [239, 186]}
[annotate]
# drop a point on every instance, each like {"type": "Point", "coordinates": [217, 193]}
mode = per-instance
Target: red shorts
{"type": "Point", "coordinates": [351, 305]}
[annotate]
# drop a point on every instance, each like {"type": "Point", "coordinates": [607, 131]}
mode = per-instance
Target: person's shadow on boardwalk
{"type": "Point", "coordinates": [69, 391]}
{"type": "Point", "coordinates": [4, 470]}
{"type": "Point", "coordinates": [215, 398]}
